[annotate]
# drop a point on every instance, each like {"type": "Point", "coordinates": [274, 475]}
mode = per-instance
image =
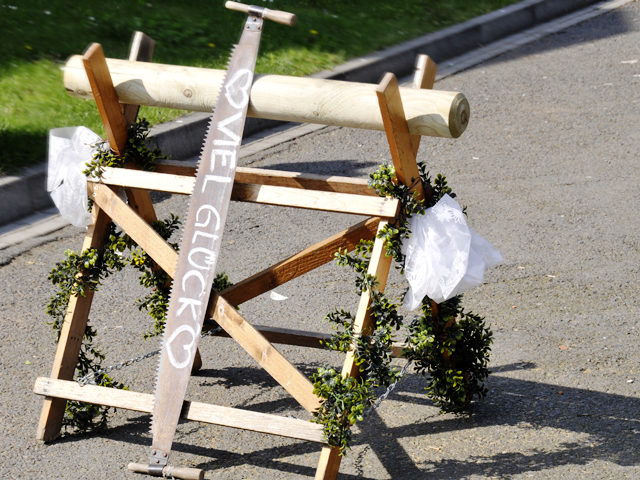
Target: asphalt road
{"type": "Point", "coordinates": [548, 170]}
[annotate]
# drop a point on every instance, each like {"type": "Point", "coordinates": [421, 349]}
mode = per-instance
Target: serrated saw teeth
{"type": "Point", "coordinates": [201, 240]}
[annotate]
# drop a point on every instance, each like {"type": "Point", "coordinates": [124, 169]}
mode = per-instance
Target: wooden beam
{"type": "Point", "coordinates": [140, 231]}
{"type": "Point", "coordinates": [265, 194]}
{"type": "Point", "coordinates": [71, 335]}
{"type": "Point", "coordinates": [114, 121]}
{"type": "Point", "coordinates": [403, 153]}
{"type": "Point", "coordinates": [379, 266]}
{"type": "Point", "coordinates": [398, 136]}
{"type": "Point", "coordinates": [158, 182]}
{"type": "Point", "coordinates": [300, 263]}
{"type": "Point", "coordinates": [278, 178]}
{"type": "Point", "coordinates": [139, 200]}
{"type": "Point", "coordinates": [106, 97]}
{"type": "Point", "coordinates": [288, 376]}
{"type": "Point", "coordinates": [141, 51]}
{"type": "Point", "coordinates": [200, 412]}
{"type": "Point", "coordinates": [313, 200]}
{"type": "Point", "coordinates": [291, 99]}
{"type": "Point", "coordinates": [329, 463]}
{"type": "Point", "coordinates": [299, 338]}
{"type": "Point", "coordinates": [283, 336]}
{"type": "Point", "coordinates": [424, 76]}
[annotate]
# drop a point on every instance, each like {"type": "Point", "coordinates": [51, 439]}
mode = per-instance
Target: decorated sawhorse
{"type": "Point", "coordinates": [438, 114]}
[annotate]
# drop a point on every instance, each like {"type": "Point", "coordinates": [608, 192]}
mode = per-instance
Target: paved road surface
{"type": "Point", "coordinates": [548, 169]}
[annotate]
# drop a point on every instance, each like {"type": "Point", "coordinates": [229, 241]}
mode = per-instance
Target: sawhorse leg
{"type": "Point", "coordinates": [378, 266]}
{"type": "Point", "coordinates": [71, 335]}
{"type": "Point", "coordinates": [75, 322]}
{"type": "Point", "coordinates": [404, 149]}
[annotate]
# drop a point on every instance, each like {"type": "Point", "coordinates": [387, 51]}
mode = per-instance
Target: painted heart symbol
{"type": "Point", "coordinates": [186, 348]}
{"type": "Point", "coordinates": [237, 88]}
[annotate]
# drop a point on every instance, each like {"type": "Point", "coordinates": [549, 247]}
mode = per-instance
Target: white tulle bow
{"type": "Point", "coordinates": [444, 257]}
{"type": "Point", "coordinates": [69, 150]}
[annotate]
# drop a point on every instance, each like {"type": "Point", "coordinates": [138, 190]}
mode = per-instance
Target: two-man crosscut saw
{"type": "Point", "coordinates": [201, 239]}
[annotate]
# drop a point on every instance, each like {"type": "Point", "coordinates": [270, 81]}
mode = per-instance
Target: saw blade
{"type": "Point", "coordinates": [201, 241]}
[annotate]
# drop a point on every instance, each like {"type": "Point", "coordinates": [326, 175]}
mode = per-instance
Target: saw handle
{"type": "Point", "coordinates": [277, 16]}
{"type": "Point", "coordinates": [171, 472]}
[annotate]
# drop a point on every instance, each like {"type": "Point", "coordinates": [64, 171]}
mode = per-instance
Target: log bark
{"type": "Point", "coordinates": [294, 99]}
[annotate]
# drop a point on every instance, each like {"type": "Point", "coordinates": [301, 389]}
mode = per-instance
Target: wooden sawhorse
{"type": "Point", "coordinates": [335, 194]}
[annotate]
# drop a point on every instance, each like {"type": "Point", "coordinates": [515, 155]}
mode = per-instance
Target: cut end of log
{"type": "Point", "coordinates": [459, 115]}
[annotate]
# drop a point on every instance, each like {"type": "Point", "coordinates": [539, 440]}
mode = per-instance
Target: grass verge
{"type": "Point", "coordinates": [37, 36]}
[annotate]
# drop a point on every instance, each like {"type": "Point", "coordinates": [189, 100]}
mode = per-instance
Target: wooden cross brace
{"type": "Point", "coordinates": [335, 194]}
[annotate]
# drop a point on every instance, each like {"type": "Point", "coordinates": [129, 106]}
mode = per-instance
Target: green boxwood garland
{"type": "Point", "coordinates": [445, 342]}
{"type": "Point", "coordinates": [85, 271]}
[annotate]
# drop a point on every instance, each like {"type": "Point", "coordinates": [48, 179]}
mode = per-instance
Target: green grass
{"type": "Point", "coordinates": [36, 37]}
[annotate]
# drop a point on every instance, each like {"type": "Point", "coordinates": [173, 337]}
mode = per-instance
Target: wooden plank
{"type": "Point", "coordinates": [139, 230]}
{"type": "Point", "coordinates": [112, 117]}
{"type": "Point", "coordinates": [279, 178]}
{"type": "Point", "coordinates": [307, 181]}
{"type": "Point", "coordinates": [141, 203]}
{"type": "Point", "coordinates": [288, 376]}
{"type": "Point", "coordinates": [397, 131]}
{"type": "Point", "coordinates": [424, 76]}
{"type": "Point", "coordinates": [284, 336]}
{"type": "Point", "coordinates": [329, 463]}
{"type": "Point", "coordinates": [141, 51]}
{"type": "Point", "coordinates": [139, 200]}
{"type": "Point", "coordinates": [277, 97]}
{"type": "Point", "coordinates": [299, 338]}
{"type": "Point", "coordinates": [313, 200]}
{"type": "Point", "coordinates": [106, 97]}
{"type": "Point", "coordinates": [300, 263]}
{"type": "Point", "coordinates": [71, 335]}
{"type": "Point", "coordinates": [264, 194]}
{"type": "Point", "coordinates": [158, 182]}
{"type": "Point", "coordinates": [114, 121]}
{"type": "Point", "coordinates": [185, 168]}
{"type": "Point", "coordinates": [379, 266]}
{"type": "Point", "coordinates": [195, 411]}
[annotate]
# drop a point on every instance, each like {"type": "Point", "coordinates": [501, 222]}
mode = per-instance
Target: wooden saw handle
{"type": "Point", "coordinates": [171, 472]}
{"type": "Point", "coordinates": [277, 16]}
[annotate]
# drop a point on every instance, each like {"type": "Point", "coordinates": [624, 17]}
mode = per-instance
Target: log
{"type": "Point", "coordinates": [293, 99]}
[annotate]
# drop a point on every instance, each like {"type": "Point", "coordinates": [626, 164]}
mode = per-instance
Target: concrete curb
{"type": "Point", "coordinates": [182, 138]}
{"type": "Point", "coordinates": [22, 195]}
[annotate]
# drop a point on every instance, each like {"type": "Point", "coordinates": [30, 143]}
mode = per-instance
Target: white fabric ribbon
{"type": "Point", "coordinates": [444, 257]}
{"type": "Point", "coordinates": [69, 151]}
